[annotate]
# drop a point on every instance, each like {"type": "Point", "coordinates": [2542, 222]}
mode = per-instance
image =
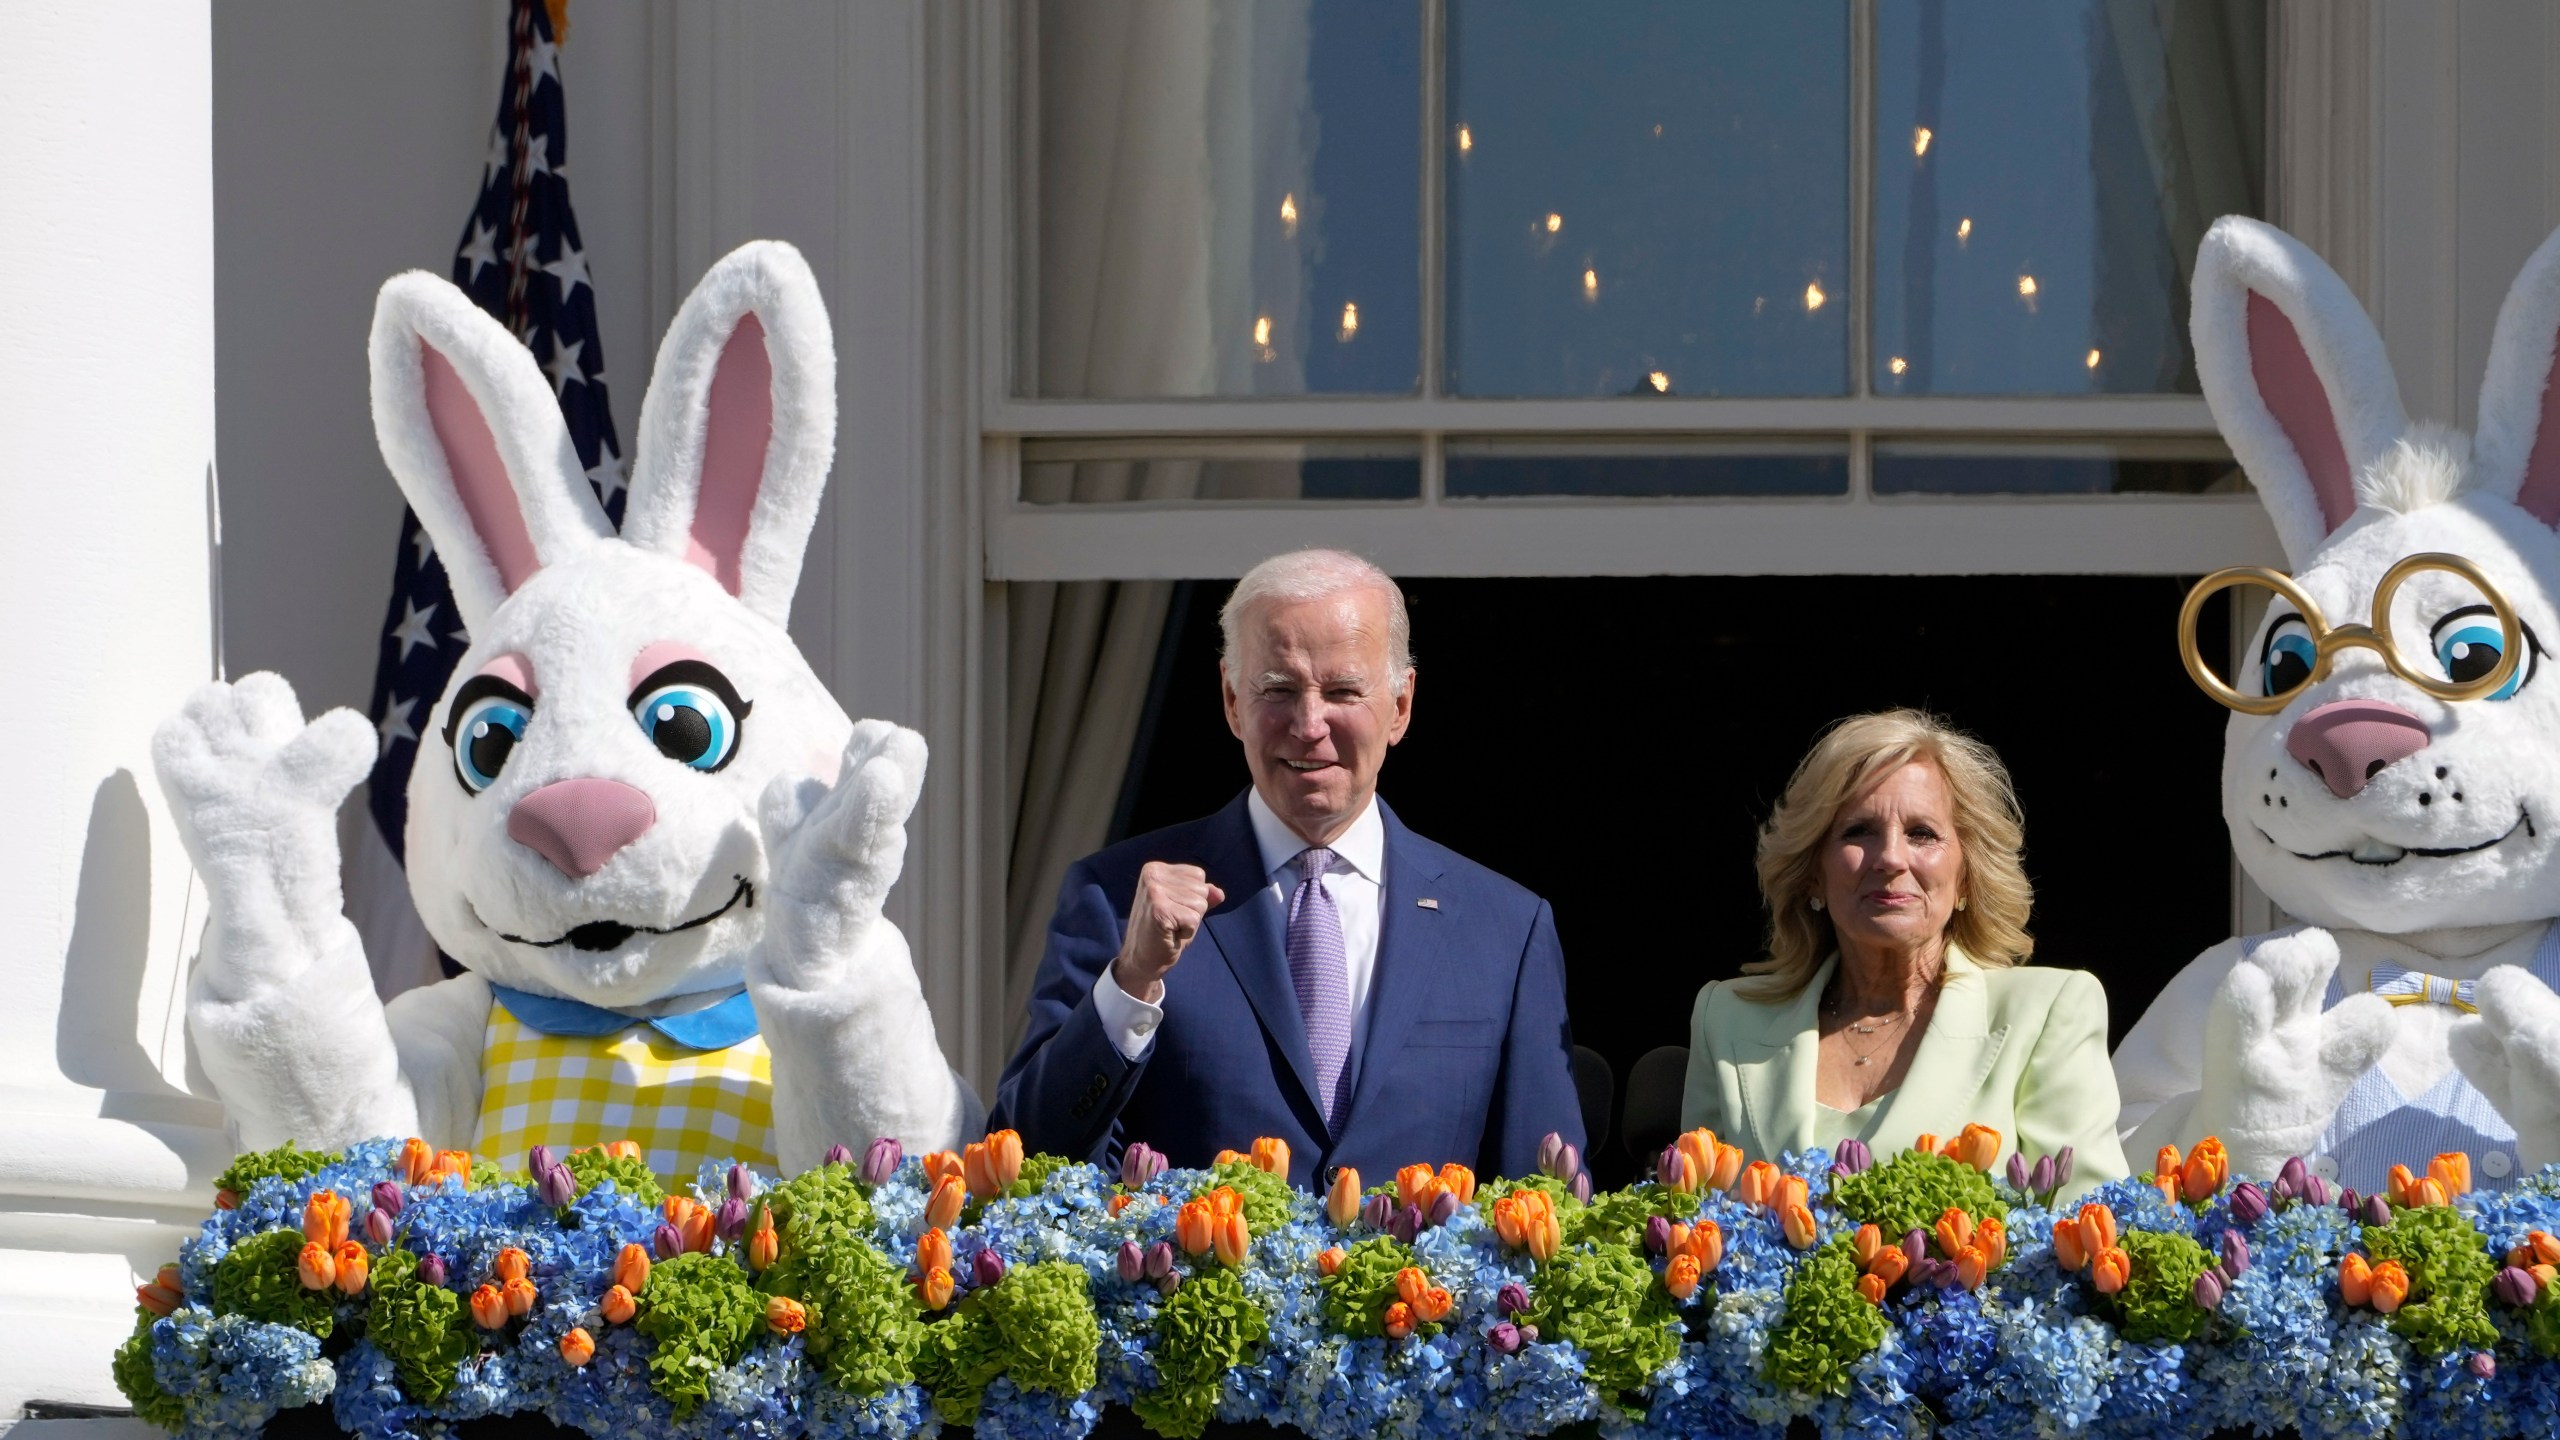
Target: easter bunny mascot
{"type": "Point", "coordinates": [2391, 769]}
{"type": "Point", "coordinates": [640, 822]}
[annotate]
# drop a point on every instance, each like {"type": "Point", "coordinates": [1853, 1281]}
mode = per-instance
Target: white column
{"type": "Point", "coordinates": [108, 617]}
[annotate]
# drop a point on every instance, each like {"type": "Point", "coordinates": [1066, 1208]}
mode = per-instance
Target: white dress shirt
{"type": "Point", "coordinates": [1357, 883]}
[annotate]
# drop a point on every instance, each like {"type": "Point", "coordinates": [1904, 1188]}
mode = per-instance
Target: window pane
{"type": "Point", "coordinates": [1648, 197]}
{"type": "Point", "coordinates": [2044, 172]}
{"type": "Point", "coordinates": [1646, 468]}
{"type": "Point", "coordinates": [1077, 472]}
{"type": "Point", "coordinates": [1225, 198]}
{"type": "Point", "coordinates": [2079, 467]}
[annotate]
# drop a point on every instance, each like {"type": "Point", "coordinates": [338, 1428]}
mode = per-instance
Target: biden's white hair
{"type": "Point", "coordinates": [1303, 575]}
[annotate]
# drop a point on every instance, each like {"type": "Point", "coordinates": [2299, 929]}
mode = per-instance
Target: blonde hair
{"type": "Point", "coordinates": [1851, 756]}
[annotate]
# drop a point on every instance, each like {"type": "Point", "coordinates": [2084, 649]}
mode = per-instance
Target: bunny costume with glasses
{"type": "Point", "coordinates": [638, 818]}
{"type": "Point", "coordinates": [2391, 770]}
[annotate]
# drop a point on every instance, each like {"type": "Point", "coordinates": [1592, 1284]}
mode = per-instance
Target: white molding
{"type": "Point", "coordinates": [1289, 415]}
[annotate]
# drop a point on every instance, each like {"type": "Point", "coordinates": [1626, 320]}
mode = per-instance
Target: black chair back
{"type": "Point", "coordinates": [1652, 1117]}
{"type": "Point", "coordinates": [1596, 1086]}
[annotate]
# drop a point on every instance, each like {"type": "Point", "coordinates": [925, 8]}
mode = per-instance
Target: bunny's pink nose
{"type": "Point", "coordinates": [578, 825]}
{"type": "Point", "coordinates": [2348, 742]}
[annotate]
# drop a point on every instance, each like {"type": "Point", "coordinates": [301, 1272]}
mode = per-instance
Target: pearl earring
{"type": "Point", "coordinates": [1815, 902]}
{"type": "Point", "coordinates": [1960, 902]}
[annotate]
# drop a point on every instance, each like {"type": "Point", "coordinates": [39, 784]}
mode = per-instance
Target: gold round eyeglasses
{"type": "Point", "coordinates": [2328, 640]}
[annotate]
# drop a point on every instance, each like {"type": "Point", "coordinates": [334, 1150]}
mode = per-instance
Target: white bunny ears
{"type": "Point", "coordinates": [2300, 384]}
{"type": "Point", "coordinates": [736, 435]}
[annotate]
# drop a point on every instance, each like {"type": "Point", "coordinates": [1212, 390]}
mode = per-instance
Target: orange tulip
{"type": "Point", "coordinates": [2110, 1270]}
{"type": "Point", "coordinates": [1232, 1240]}
{"type": "Point", "coordinates": [489, 1308]}
{"type": "Point", "coordinates": [163, 1294]}
{"type": "Point", "coordinates": [950, 1195]}
{"type": "Point", "coordinates": [1195, 1227]}
{"type": "Point", "coordinates": [1797, 1223]}
{"type": "Point", "coordinates": [2452, 1170]}
{"type": "Point", "coordinates": [1872, 1289]}
{"type": "Point", "coordinates": [2390, 1286]}
{"type": "Point", "coordinates": [417, 1160]}
{"type": "Point", "coordinates": [1435, 1304]}
{"type": "Point", "coordinates": [1342, 1201]}
{"type": "Point", "coordinates": [1704, 1244]}
{"type": "Point", "coordinates": [1224, 1201]}
{"type": "Point", "coordinates": [1698, 1148]}
{"type": "Point", "coordinates": [674, 1208]}
{"type": "Point", "coordinates": [1676, 1236]}
{"type": "Point", "coordinates": [2397, 1184]}
{"type": "Point", "coordinates": [1791, 1191]}
{"type": "Point", "coordinates": [1678, 1174]}
{"type": "Point", "coordinates": [1925, 1143]}
{"type": "Point", "coordinates": [519, 1295]}
{"type": "Point", "coordinates": [1681, 1279]}
{"type": "Point", "coordinates": [456, 1163]}
{"type": "Point", "coordinates": [2425, 1190]}
{"type": "Point", "coordinates": [1418, 1186]}
{"type": "Point", "coordinates": [1410, 1283]}
{"type": "Point", "coordinates": [933, 1252]}
{"type": "Point", "coordinates": [765, 1246]}
{"type": "Point", "coordinates": [226, 1199]}
{"type": "Point", "coordinates": [1866, 1244]}
{"type": "Point", "coordinates": [618, 1306]}
{"type": "Point", "coordinates": [1230, 1157]}
{"type": "Point", "coordinates": [1728, 1167]}
{"type": "Point", "coordinates": [2520, 1256]}
{"type": "Point", "coordinates": [1992, 1238]}
{"type": "Point", "coordinates": [2166, 1168]}
{"type": "Point", "coordinates": [1460, 1181]}
{"type": "Point", "coordinates": [2549, 1275]}
{"type": "Point", "coordinates": [1004, 1156]}
{"type": "Point", "coordinates": [1955, 1231]}
{"type": "Point", "coordinates": [940, 1163]}
{"type": "Point", "coordinates": [355, 1268]}
{"type": "Point", "coordinates": [578, 1347]}
{"type": "Point", "coordinates": [2206, 1168]}
{"type": "Point", "coordinates": [1972, 1267]}
{"type": "Point", "coordinates": [324, 1218]}
{"type": "Point", "coordinates": [2097, 1228]}
{"type": "Point", "coordinates": [699, 1229]}
{"type": "Point", "coordinates": [2355, 1280]}
{"type": "Point", "coordinates": [935, 1288]}
{"type": "Point", "coordinates": [1329, 1260]}
{"type": "Point", "coordinates": [1758, 1184]}
{"type": "Point", "coordinates": [1271, 1156]}
{"type": "Point", "coordinates": [1510, 1221]}
{"type": "Point", "coordinates": [785, 1316]}
{"type": "Point", "coordinates": [1546, 1237]}
{"type": "Point", "coordinates": [2546, 1248]}
{"type": "Point", "coordinates": [512, 1264]}
{"type": "Point", "coordinates": [2167, 1185]}
{"type": "Point", "coordinates": [318, 1269]}
{"type": "Point", "coordinates": [2068, 1250]}
{"type": "Point", "coordinates": [1398, 1321]}
{"type": "Point", "coordinates": [977, 1170]}
{"type": "Point", "coordinates": [1979, 1147]}
{"type": "Point", "coordinates": [631, 1268]}
{"type": "Point", "coordinates": [1890, 1265]}
{"type": "Point", "coordinates": [622, 1149]}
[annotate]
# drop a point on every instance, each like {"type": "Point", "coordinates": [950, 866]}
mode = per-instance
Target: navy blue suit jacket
{"type": "Point", "coordinates": [1468, 1056]}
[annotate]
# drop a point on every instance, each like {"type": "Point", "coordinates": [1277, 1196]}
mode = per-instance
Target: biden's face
{"type": "Point", "coordinates": [1312, 696]}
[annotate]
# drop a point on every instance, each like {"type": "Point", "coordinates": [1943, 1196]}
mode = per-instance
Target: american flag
{"type": "Point", "coordinates": [521, 259]}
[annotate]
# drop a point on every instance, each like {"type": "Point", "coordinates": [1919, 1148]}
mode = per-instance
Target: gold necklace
{"type": "Point", "coordinates": [1900, 1019]}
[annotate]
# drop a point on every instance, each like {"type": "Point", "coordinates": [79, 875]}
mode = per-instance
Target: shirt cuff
{"type": "Point", "coordinates": [1130, 1022]}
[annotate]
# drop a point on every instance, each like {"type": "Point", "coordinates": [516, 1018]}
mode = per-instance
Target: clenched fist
{"type": "Point", "coordinates": [1170, 904]}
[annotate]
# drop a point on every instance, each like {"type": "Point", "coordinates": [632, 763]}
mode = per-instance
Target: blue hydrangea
{"type": "Point", "coordinates": [234, 1374]}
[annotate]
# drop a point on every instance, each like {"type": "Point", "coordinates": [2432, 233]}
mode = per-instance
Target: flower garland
{"type": "Point", "coordinates": [1927, 1293]}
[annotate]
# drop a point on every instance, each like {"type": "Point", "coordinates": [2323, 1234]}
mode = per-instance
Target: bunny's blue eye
{"type": "Point", "coordinates": [484, 733]}
{"type": "Point", "coordinates": [691, 713]}
{"type": "Point", "coordinates": [2288, 661]}
{"type": "Point", "coordinates": [2469, 650]}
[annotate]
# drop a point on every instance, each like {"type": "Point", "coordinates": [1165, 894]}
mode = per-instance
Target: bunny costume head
{"type": "Point", "coordinates": [588, 827]}
{"type": "Point", "coordinates": [2366, 802]}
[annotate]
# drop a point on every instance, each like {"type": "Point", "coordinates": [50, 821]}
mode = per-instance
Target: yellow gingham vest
{"type": "Point", "coordinates": [684, 1106]}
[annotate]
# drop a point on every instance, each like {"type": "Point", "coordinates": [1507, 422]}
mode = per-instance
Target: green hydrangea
{"type": "Point", "coordinates": [2158, 1302]}
{"type": "Point", "coordinates": [1827, 1327]}
{"type": "Point", "coordinates": [140, 1384]}
{"type": "Point", "coordinates": [862, 1325]}
{"type": "Point", "coordinates": [287, 1161]}
{"type": "Point", "coordinates": [1208, 1327]}
{"type": "Point", "coordinates": [1036, 1170]}
{"type": "Point", "coordinates": [2542, 1322]}
{"type": "Point", "coordinates": [815, 1208]}
{"type": "Point", "coordinates": [1356, 1295]}
{"type": "Point", "coordinates": [262, 1278]}
{"type": "Point", "coordinates": [2449, 1274]}
{"type": "Point", "coordinates": [1036, 1327]}
{"type": "Point", "coordinates": [1910, 1191]}
{"type": "Point", "coordinates": [1267, 1198]}
{"type": "Point", "coordinates": [1608, 1301]}
{"type": "Point", "coordinates": [703, 1314]}
{"type": "Point", "coordinates": [961, 1355]}
{"type": "Point", "coordinates": [1618, 1218]}
{"type": "Point", "coordinates": [630, 1176]}
{"type": "Point", "coordinates": [424, 1328]}
{"type": "Point", "coordinates": [1554, 1189]}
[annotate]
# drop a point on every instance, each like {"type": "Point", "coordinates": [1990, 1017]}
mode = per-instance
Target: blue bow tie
{"type": "Point", "coordinates": [714, 1027]}
{"type": "Point", "coordinates": [2417, 987]}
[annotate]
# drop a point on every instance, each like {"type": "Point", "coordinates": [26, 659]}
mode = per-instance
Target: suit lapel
{"type": "Point", "coordinates": [1414, 958]}
{"type": "Point", "coordinates": [1956, 1054]}
{"type": "Point", "coordinates": [1247, 931]}
{"type": "Point", "coordinates": [1779, 1085]}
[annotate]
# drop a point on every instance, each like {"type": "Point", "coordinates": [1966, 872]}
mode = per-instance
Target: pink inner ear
{"type": "Point", "coordinates": [2540, 493]}
{"type": "Point", "coordinates": [479, 476]}
{"type": "Point", "coordinates": [2291, 388]}
{"type": "Point", "coordinates": [736, 434]}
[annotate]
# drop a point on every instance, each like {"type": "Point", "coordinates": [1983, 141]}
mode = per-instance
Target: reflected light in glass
{"type": "Point", "coordinates": [1897, 364]}
{"type": "Point", "coordinates": [1466, 140]}
{"type": "Point", "coordinates": [1555, 222]}
{"type": "Point", "coordinates": [1262, 330]}
{"type": "Point", "coordinates": [2027, 285]}
{"type": "Point", "coordinates": [1590, 284]}
{"type": "Point", "coordinates": [1964, 230]}
{"type": "Point", "coordinates": [1813, 296]}
{"type": "Point", "coordinates": [1289, 214]}
{"type": "Point", "coordinates": [2092, 361]}
{"type": "Point", "coordinates": [1660, 382]}
{"type": "Point", "coordinates": [1920, 138]}
{"type": "Point", "coordinates": [1350, 322]}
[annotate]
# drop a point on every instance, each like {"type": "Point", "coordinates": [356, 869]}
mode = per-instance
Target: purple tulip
{"type": "Point", "coordinates": [1568, 1162]}
{"type": "Point", "coordinates": [1668, 1163]}
{"type": "Point", "coordinates": [2208, 1291]}
{"type": "Point", "coordinates": [2484, 1366]}
{"type": "Point", "coordinates": [556, 1186]}
{"type": "Point", "coordinates": [2062, 1167]}
{"type": "Point", "coordinates": [2041, 1177]}
{"type": "Point", "coordinates": [1582, 1188]}
{"type": "Point", "coordinates": [2516, 1286]}
{"type": "Point", "coordinates": [2248, 1203]}
{"type": "Point", "coordinates": [881, 1160]}
{"type": "Point", "coordinates": [837, 1154]}
{"type": "Point", "coordinates": [1376, 1211]}
{"type": "Point", "coordinates": [388, 1198]}
{"type": "Point", "coordinates": [1528, 1334]}
{"type": "Point", "coordinates": [1852, 1158]}
{"type": "Point", "coordinates": [1133, 1261]}
{"type": "Point", "coordinates": [2017, 1170]}
{"type": "Point", "coordinates": [2316, 1190]}
{"type": "Point", "coordinates": [1444, 1208]}
{"type": "Point", "coordinates": [1513, 1298]}
{"type": "Point", "coordinates": [1550, 1148]}
{"type": "Point", "coordinates": [1159, 1260]}
{"type": "Point", "coordinates": [539, 1159]}
{"type": "Point", "coordinates": [1406, 1224]}
{"type": "Point", "coordinates": [1140, 1163]}
{"type": "Point", "coordinates": [2235, 1254]}
{"type": "Point", "coordinates": [431, 1269]}
{"type": "Point", "coordinates": [377, 1227]}
{"type": "Point", "coordinates": [1946, 1275]}
{"type": "Point", "coordinates": [1915, 1246]}
{"type": "Point", "coordinates": [2290, 1176]}
{"type": "Point", "coordinates": [2377, 1211]}
{"type": "Point", "coordinates": [987, 1269]}
{"type": "Point", "coordinates": [1657, 1235]}
{"type": "Point", "coordinates": [730, 1220]}
{"type": "Point", "coordinates": [742, 1184]}
{"type": "Point", "coordinates": [1168, 1282]}
{"type": "Point", "coordinates": [1504, 1338]}
{"type": "Point", "coordinates": [2350, 1199]}
{"type": "Point", "coordinates": [668, 1242]}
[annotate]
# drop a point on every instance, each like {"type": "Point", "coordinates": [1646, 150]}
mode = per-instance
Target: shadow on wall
{"type": "Point", "coordinates": [98, 1035]}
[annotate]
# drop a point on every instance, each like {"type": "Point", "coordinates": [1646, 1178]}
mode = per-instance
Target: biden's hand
{"type": "Point", "coordinates": [1171, 902]}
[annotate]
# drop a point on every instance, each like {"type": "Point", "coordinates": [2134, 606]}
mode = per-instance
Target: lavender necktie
{"type": "Point", "coordinates": [1319, 971]}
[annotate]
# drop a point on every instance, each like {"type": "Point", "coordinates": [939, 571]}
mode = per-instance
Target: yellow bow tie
{"type": "Point", "coordinates": [2416, 987]}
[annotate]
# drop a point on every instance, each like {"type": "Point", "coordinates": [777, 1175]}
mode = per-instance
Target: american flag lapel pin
{"type": "Point", "coordinates": [1427, 903]}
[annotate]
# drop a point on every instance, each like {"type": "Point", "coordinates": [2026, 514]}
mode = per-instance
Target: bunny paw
{"type": "Point", "coordinates": [2511, 1053]}
{"type": "Point", "coordinates": [2277, 1063]}
{"type": "Point", "coordinates": [255, 790]}
{"type": "Point", "coordinates": [840, 847]}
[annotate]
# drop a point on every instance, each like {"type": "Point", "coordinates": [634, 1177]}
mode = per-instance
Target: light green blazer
{"type": "Point", "coordinates": [2022, 1050]}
